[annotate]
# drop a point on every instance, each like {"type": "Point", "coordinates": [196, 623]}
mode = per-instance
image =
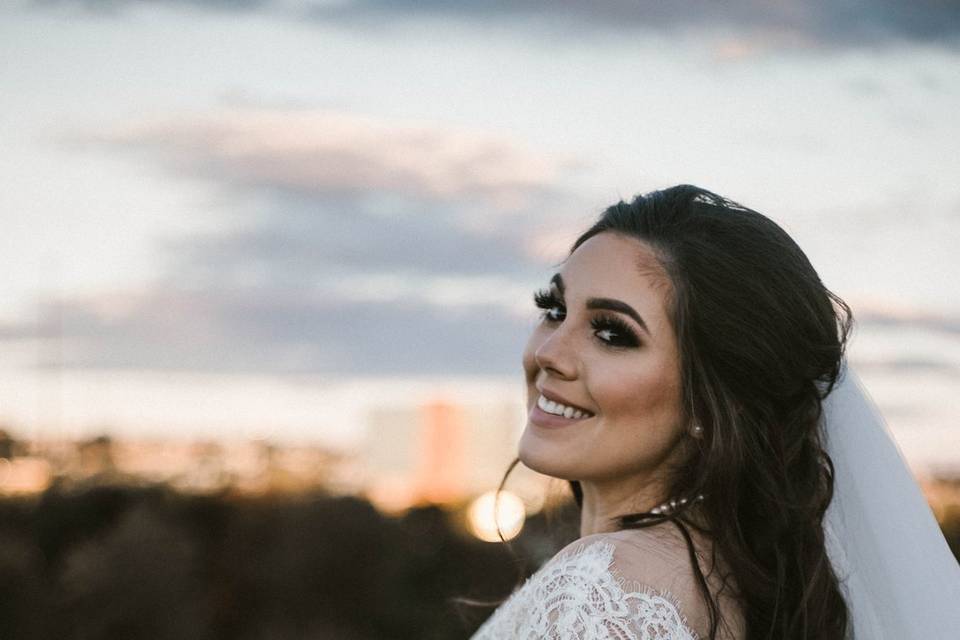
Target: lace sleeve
{"type": "Point", "coordinates": [580, 595]}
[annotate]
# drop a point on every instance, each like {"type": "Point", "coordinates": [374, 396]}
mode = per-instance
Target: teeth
{"type": "Point", "coordinates": [563, 410]}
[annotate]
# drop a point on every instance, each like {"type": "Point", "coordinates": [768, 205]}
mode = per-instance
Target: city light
{"type": "Point", "coordinates": [489, 510]}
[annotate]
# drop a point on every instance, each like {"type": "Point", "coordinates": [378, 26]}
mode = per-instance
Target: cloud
{"type": "Point", "coordinates": [789, 22]}
{"type": "Point", "coordinates": [347, 244]}
{"type": "Point", "coordinates": [310, 244]}
{"type": "Point", "coordinates": [280, 332]}
{"type": "Point", "coordinates": [329, 153]}
{"type": "Point", "coordinates": [908, 366]}
{"type": "Point", "coordinates": [108, 6]}
{"type": "Point", "coordinates": [891, 317]}
{"type": "Point", "coordinates": [338, 194]}
{"type": "Point", "coordinates": [335, 195]}
{"type": "Point", "coordinates": [902, 340]}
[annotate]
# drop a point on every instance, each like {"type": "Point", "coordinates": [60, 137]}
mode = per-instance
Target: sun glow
{"type": "Point", "coordinates": [487, 511]}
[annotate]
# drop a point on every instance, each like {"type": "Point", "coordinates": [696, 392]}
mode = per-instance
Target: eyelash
{"type": "Point", "coordinates": [547, 300]}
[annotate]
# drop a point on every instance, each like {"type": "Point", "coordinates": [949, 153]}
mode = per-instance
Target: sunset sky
{"type": "Point", "coordinates": [210, 205]}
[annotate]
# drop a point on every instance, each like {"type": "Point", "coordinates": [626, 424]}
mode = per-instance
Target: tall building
{"type": "Point", "coordinates": [438, 452]}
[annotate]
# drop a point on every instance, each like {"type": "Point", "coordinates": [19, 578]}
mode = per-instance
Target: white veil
{"type": "Point", "coordinates": [897, 572]}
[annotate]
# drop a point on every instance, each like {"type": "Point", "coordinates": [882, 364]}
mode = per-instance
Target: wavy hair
{"type": "Point", "coordinates": [761, 344]}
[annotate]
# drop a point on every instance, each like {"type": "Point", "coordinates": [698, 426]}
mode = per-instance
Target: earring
{"type": "Point", "coordinates": [697, 430]}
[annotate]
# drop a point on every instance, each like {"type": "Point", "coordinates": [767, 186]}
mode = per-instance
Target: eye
{"type": "Point", "coordinates": [553, 309]}
{"type": "Point", "coordinates": [614, 332]}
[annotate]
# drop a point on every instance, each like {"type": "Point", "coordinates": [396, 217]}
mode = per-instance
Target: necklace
{"type": "Point", "coordinates": [667, 507]}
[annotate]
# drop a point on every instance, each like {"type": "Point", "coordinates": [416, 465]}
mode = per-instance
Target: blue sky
{"type": "Point", "coordinates": [290, 188]}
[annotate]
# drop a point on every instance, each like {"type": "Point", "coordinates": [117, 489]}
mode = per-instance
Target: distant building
{"type": "Point", "coordinates": [438, 452]}
{"type": "Point", "coordinates": [7, 445]}
{"type": "Point", "coordinates": [96, 456]}
{"type": "Point", "coordinates": [24, 474]}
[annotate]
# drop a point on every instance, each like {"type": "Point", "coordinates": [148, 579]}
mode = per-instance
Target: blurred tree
{"type": "Point", "coordinates": [139, 581]}
{"type": "Point", "coordinates": [7, 445]}
{"type": "Point", "coordinates": [96, 562]}
{"type": "Point", "coordinates": [24, 609]}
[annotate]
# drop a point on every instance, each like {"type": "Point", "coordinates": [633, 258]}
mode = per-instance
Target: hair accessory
{"type": "Point", "coordinates": [668, 506]}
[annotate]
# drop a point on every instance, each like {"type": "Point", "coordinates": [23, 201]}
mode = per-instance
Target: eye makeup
{"type": "Point", "coordinates": [609, 304]}
{"type": "Point", "coordinates": [548, 301]}
{"type": "Point", "coordinates": [621, 334]}
{"type": "Point", "coordinates": [618, 333]}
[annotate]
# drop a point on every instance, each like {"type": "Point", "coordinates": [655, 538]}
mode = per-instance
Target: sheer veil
{"type": "Point", "coordinates": [896, 570]}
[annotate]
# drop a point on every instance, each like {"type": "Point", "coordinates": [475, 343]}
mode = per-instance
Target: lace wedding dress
{"type": "Point", "coordinates": [584, 593]}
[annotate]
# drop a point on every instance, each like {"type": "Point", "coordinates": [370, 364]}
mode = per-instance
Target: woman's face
{"type": "Point", "coordinates": [607, 347]}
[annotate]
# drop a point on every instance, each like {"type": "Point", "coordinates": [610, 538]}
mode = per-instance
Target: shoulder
{"type": "Point", "coordinates": [627, 584]}
{"type": "Point", "coordinates": [652, 566]}
{"type": "Point", "coordinates": [654, 556]}
{"type": "Point", "coordinates": [628, 580]}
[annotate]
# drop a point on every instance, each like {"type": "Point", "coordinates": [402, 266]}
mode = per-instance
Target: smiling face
{"type": "Point", "coordinates": [590, 351]}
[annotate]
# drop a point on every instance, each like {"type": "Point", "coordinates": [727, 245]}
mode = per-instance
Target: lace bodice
{"type": "Point", "coordinates": [580, 594]}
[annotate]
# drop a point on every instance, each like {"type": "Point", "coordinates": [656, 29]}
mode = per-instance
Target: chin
{"type": "Point", "coordinates": [543, 458]}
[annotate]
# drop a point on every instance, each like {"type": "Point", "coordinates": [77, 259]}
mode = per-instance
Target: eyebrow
{"type": "Point", "coordinates": [610, 304]}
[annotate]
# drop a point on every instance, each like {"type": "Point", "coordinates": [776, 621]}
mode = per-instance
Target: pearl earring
{"type": "Point", "coordinates": [697, 430]}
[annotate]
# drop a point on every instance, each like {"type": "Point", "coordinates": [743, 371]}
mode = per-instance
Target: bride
{"type": "Point", "coordinates": [734, 481]}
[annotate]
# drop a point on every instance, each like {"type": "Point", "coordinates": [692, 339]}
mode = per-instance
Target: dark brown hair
{"type": "Point", "coordinates": [761, 344]}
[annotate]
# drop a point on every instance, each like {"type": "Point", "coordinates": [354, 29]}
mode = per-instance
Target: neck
{"type": "Point", "coordinates": [604, 501]}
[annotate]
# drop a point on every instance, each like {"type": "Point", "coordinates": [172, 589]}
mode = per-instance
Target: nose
{"type": "Point", "coordinates": [556, 356]}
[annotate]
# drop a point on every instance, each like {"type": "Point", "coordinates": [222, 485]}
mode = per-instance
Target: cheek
{"type": "Point", "coordinates": [641, 412]}
{"type": "Point", "coordinates": [640, 391]}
